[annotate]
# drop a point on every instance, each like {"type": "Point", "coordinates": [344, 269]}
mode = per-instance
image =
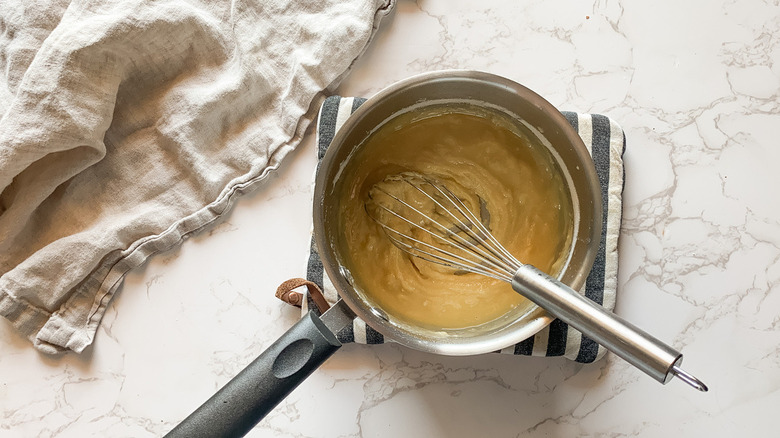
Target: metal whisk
{"type": "Point", "coordinates": [427, 220]}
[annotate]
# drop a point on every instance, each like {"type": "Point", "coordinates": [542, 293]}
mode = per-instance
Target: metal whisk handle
{"type": "Point", "coordinates": [628, 341]}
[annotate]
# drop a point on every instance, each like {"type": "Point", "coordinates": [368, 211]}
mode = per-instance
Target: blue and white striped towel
{"type": "Point", "coordinates": [606, 142]}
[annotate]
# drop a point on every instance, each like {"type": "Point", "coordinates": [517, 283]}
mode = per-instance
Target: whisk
{"type": "Point", "coordinates": [428, 221]}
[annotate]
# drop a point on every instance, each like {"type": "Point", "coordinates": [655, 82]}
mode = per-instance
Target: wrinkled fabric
{"type": "Point", "coordinates": [128, 124]}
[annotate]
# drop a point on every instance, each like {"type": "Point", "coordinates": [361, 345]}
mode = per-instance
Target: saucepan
{"type": "Point", "coordinates": [248, 397]}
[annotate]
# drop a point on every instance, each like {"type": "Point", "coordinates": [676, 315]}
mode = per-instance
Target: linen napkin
{"type": "Point", "coordinates": [606, 143]}
{"type": "Point", "coordinates": [127, 125]}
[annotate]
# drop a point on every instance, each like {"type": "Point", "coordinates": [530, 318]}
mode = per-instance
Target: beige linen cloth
{"type": "Point", "coordinates": [128, 124]}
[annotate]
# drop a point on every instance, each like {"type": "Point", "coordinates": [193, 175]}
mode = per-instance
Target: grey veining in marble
{"type": "Point", "coordinates": [696, 87]}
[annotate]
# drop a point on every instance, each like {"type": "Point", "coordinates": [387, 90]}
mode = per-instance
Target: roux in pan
{"type": "Point", "coordinates": [485, 159]}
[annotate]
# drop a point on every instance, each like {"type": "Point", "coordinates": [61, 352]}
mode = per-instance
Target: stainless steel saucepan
{"type": "Point", "coordinates": [246, 399]}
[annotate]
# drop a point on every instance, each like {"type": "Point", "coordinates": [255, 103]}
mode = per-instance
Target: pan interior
{"type": "Point", "coordinates": [500, 172]}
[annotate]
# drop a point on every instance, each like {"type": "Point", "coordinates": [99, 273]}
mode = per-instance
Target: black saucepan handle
{"type": "Point", "coordinates": [236, 408]}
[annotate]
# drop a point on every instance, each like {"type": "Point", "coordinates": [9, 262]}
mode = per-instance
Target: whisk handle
{"type": "Point", "coordinates": [628, 341]}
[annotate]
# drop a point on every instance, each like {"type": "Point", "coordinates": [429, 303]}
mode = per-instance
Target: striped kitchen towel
{"type": "Point", "coordinates": [606, 142]}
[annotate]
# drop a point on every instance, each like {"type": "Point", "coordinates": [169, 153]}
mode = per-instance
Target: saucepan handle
{"type": "Point", "coordinates": [236, 408]}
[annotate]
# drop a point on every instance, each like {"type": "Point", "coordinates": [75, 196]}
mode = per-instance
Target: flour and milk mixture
{"type": "Point", "coordinates": [490, 164]}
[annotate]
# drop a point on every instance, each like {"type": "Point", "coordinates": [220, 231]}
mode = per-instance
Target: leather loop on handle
{"type": "Point", "coordinates": [286, 292]}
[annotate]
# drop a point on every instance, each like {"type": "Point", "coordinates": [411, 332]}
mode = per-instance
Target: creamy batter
{"type": "Point", "coordinates": [507, 179]}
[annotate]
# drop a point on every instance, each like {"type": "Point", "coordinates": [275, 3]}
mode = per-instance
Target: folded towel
{"type": "Point", "coordinates": [606, 142]}
{"type": "Point", "coordinates": [127, 125]}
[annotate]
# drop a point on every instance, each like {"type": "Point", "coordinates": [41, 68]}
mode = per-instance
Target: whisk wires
{"type": "Point", "coordinates": [425, 219]}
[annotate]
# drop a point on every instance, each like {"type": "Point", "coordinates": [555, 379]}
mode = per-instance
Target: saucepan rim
{"type": "Point", "coordinates": [587, 193]}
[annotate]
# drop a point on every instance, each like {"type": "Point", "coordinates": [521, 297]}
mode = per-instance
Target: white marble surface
{"type": "Point", "coordinates": [695, 85]}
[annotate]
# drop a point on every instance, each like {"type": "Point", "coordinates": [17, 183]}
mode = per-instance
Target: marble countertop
{"type": "Point", "coordinates": [696, 87]}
